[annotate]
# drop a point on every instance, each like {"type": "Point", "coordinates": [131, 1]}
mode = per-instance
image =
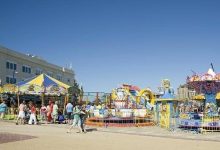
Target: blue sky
{"type": "Point", "coordinates": [110, 42]}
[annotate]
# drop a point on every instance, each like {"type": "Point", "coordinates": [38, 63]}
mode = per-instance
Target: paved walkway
{"type": "Point", "coordinates": [160, 132]}
{"type": "Point", "coordinates": [54, 137]}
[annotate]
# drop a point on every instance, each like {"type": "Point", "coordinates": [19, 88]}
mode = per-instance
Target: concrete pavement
{"type": "Point", "coordinates": [54, 137]}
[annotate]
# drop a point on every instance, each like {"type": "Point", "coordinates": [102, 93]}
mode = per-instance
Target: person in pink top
{"type": "Point", "coordinates": [21, 113]}
{"type": "Point", "coordinates": [49, 111]}
{"type": "Point", "coordinates": [43, 112]}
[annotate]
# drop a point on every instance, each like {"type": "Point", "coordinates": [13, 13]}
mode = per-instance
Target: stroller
{"type": "Point", "coordinates": [27, 116]}
{"type": "Point", "coordinates": [61, 119]}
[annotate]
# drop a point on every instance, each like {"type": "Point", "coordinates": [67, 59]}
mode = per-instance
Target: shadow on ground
{"type": "Point", "coordinates": [9, 137]}
{"type": "Point", "coordinates": [91, 129]}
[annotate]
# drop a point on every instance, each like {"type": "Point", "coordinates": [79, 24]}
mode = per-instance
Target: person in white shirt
{"type": "Point", "coordinates": [69, 111]}
{"type": "Point", "coordinates": [55, 111]}
{"type": "Point", "coordinates": [21, 113]}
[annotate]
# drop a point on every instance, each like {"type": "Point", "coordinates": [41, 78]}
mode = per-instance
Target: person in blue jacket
{"type": "Point", "coordinates": [3, 108]}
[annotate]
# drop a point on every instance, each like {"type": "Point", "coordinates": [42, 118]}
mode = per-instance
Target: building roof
{"type": "Point", "coordinates": [32, 58]}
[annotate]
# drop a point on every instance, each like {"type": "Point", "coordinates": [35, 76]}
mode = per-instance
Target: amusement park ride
{"type": "Point", "coordinates": [207, 85]}
{"type": "Point", "coordinates": [129, 96]}
{"type": "Point", "coordinates": [129, 106]}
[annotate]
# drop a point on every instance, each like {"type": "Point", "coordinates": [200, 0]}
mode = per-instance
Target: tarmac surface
{"type": "Point", "coordinates": [54, 137]}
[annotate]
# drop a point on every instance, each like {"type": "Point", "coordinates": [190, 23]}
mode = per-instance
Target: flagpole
{"type": "Point", "coordinates": [18, 97]}
{"type": "Point", "coordinates": [212, 67]}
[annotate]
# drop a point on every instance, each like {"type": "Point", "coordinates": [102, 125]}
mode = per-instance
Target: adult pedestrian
{"type": "Point", "coordinates": [33, 114]}
{"type": "Point", "coordinates": [49, 111]}
{"type": "Point", "coordinates": [55, 112]}
{"type": "Point", "coordinates": [43, 112]}
{"type": "Point", "coordinates": [77, 120]}
{"type": "Point", "coordinates": [91, 110]}
{"type": "Point", "coordinates": [21, 113]}
{"type": "Point", "coordinates": [83, 116]}
{"type": "Point", "coordinates": [69, 111]}
{"type": "Point", "coordinates": [3, 109]}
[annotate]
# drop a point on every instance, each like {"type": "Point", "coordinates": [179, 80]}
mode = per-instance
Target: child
{"type": "Point", "coordinates": [61, 118]}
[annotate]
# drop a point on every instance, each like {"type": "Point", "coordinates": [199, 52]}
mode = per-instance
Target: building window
{"type": "Point", "coordinates": [7, 80]}
{"type": "Point", "coordinates": [50, 74]}
{"type": "Point", "coordinates": [11, 65]}
{"type": "Point", "coordinates": [23, 68]}
{"type": "Point", "coordinates": [15, 66]}
{"type": "Point", "coordinates": [11, 80]}
{"type": "Point", "coordinates": [29, 70]}
{"type": "Point", "coordinates": [26, 69]}
{"type": "Point", "coordinates": [68, 80]}
{"type": "Point", "coordinates": [7, 65]}
{"type": "Point", "coordinates": [59, 77]}
{"type": "Point", "coordinates": [38, 71]}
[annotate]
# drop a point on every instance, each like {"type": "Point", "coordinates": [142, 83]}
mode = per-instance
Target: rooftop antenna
{"type": "Point", "coordinates": [212, 67]}
{"type": "Point", "coordinates": [194, 73]}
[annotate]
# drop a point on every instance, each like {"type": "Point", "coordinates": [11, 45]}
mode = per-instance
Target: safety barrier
{"type": "Point", "coordinates": [120, 122]}
{"type": "Point", "coordinates": [198, 123]}
{"type": "Point", "coordinates": [210, 124]}
{"type": "Point", "coordinates": [121, 118]}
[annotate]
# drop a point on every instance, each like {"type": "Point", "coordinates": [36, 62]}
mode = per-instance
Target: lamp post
{"type": "Point", "coordinates": [13, 77]}
{"type": "Point", "coordinates": [14, 88]}
{"type": "Point", "coordinates": [1, 90]}
{"type": "Point", "coordinates": [13, 82]}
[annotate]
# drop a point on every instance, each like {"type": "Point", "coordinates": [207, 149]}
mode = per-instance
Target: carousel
{"type": "Point", "coordinates": [43, 86]}
{"type": "Point", "coordinates": [207, 87]}
{"type": "Point", "coordinates": [37, 89]}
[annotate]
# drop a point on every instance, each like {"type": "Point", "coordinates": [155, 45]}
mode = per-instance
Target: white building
{"type": "Point", "coordinates": [185, 93]}
{"type": "Point", "coordinates": [15, 67]}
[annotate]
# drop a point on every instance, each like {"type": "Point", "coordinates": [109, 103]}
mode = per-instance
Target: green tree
{"type": "Point", "coordinates": [74, 92]}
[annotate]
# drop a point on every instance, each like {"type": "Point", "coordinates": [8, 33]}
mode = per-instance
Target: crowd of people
{"type": "Point", "coordinates": [72, 114]}
{"type": "Point", "coordinates": [27, 113]}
